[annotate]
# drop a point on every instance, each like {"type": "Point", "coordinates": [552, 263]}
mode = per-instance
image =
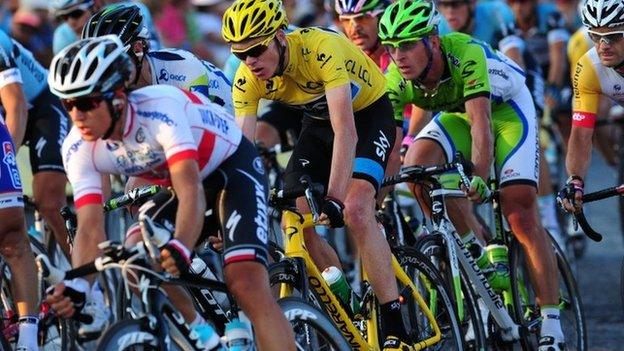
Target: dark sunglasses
{"type": "Point", "coordinates": [86, 104]}
{"type": "Point", "coordinates": [73, 15]}
{"type": "Point", "coordinates": [402, 46]}
{"type": "Point", "coordinates": [608, 38]}
{"type": "Point", "coordinates": [255, 51]}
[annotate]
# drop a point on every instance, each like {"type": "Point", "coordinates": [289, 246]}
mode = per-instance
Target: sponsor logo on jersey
{"type": "Point", "coordinates": [213, 119]}
{"type": "Point", "coordinates": [359, 70]}
{"type": "Point", "coordinates": [257, 165]}
{"type": "Point", "coordinates": [73, 148]}
{"type": "Point", "coordinates": [577, 116]}
{"type": "Point", "coordinates": [270, 86]}
{"type": "Point", "coordinates": [617, 87]}
{"type": "Point", "coordinates": [261, 219]}
{"type": "Point", "coordinates": [11, 163]}
{"type": "Point", "coordinates": [382, 145]}
{"type": "Point", "coordinates": [454, 60]}
{"type": "Point", "coordinates": [323, 58]}
{"type": "Point", "coordinates": [166, 76]}
{"type": "Point", "coordinates": [498, 72]}
{"type": "Point", "coordinates": [468, 69]}
{"type": "Point", "coordinates": [139, 136]}
{"type": "Point", "coordinates": [158, 116]}
{"type": "Point", "coordinates": [40, 145]}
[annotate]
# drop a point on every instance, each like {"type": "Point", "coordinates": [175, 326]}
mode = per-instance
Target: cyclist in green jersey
{"type": "Point", "coordinates": [488, 115]}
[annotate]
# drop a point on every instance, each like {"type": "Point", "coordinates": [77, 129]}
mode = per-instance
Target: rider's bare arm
{"type": "Point", "coordinates": [345, 139]}
{"type": "Point", "coordinates": [14, 103]}
{"type": "Point", "coordinates": [557, 70]}
{"type": "Point", "coordinates": [248, 125]}
{"type": "Point", "coordinates": [478, 111]}
{"type": "Point", "coordinates": [191, 201]}
{"type": "Point", "coordinates": [89, 233]}
{"type": "Point", "coordinates": [579, 151]}
{"type": "Point", "coordinates": [418, 120]}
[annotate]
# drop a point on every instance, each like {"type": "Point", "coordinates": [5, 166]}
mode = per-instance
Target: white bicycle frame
{"type": "Point", "coordinates": [454, 244]}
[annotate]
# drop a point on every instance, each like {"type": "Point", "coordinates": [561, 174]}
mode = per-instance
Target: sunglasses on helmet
{"type": "Point", "coordinates": [607, 38]}
{"type": "Point", "coordinates": [254, 51]}
{"type": "Point", "coordinates": [87, 103]}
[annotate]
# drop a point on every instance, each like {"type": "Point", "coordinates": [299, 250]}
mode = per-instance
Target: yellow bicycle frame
{"type": "Point", "coordinates": [293, 224]}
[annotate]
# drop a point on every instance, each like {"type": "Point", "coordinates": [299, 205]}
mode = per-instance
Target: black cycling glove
{"type": "Point", "coordinates": [333, 208]}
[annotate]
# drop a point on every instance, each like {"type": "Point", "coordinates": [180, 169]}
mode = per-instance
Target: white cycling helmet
{"type": "Point", "coordinates": [90, 66]}
{"type": "Point", "coordinates": [63, 7]}
{"type": "Point", "coordinates": [603, 13]}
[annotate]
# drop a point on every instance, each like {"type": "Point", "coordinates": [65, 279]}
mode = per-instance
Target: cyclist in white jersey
{"type": "Point", "coordinates": [167, 66]}
{"type": "Point", "coordinates": [174, 137]}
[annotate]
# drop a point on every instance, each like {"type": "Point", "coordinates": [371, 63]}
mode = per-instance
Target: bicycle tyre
{"type": "Point", "coordinates": [415, 265]}
{"type": "Point", "coordinates": [569, 298]}
{"type": "Point", "coordinates": [434, 248]}
{"type": "Point", "coordinates": [62, 339]}
{"type": "Point", "coordinates": [298, 312]}
{"type": "Point", "coordinates": [128, 335]}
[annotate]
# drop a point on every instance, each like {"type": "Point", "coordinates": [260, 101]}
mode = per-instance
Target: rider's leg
{"type": "Point", "coordinates": [394, 164]}
{"type": "Point", "coordinates": [546, 202]}
{"type": "Point", "coordinates": [15, 249]}
{"type": "Point", "coordinates": [49, 194]}
{"type": "Point", "coordinates": [249, 283]}
{"type": "Point", "coordinates": [321, 252]}
{"type": "Point", "coordinates": [519, 206]}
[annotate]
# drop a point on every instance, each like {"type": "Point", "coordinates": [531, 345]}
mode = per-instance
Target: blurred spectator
{"type": "Point", "coordinates": [72, 14]}
{"type": "Point", "coordinates": [31, 27]}
{"type": "Point", "coordinates": [7, 9]}
{"type": "Point", "coordinates": [177, 25]}
{"type": "Point", "coordinates": [208, 19]}
{"type": "Point", "coordinates": [75, 13]}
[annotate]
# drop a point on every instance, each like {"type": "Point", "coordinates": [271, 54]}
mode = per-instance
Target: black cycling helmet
{"type": "Point", "coordinates": [125, 20]}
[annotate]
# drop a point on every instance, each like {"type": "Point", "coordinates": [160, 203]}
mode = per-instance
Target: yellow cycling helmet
{"type": "Point", "coordinates": [248, 19]}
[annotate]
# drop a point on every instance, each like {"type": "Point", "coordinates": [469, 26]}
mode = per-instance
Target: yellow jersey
{"type": "Point", "coordinates": [318, 60]}
{"type": "Point", "coordinates": [578, 45]}
{"type": "Point", "coordinates": [590, 80]}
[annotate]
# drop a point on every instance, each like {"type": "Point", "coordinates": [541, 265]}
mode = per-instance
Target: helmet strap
{"type": "Point", "coordinates": [281, 66]}
{"type": "Point", "coordinates": [115, 108]}
{"type": "Point", "coordinates": [425, 72]}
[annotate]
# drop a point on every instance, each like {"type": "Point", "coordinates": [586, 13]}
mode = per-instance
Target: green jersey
{"type": "Point", "coordinates": [472, 69]}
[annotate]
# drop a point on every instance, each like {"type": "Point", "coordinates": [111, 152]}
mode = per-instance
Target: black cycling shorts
{"type": "Point", "coordinates": [238, 190]}
{"type": "Point", "coordinates": [286, 119]}
{"type": "Point", "coordinates": [376, 131]}
{"type": "Point", "coordinates": [47, 127]}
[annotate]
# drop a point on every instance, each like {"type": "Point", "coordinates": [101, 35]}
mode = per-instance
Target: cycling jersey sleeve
{"type": "Point", "coordinates": [474, 72]}
{"type": "Point", "coordinates": [330, 64]}
{"type": "Point", "coordinates": [396, 87]}
{"type": "Point", "coordinates": [63, 36]}
{"type": "Point", "coordinates": [245, 93]}
{"type": "Point", "coordinates": [587, 93]}
{"type": "Point", "coordinates": [85, 179]}
{"type": "Point", "coordinates": [9, 73]}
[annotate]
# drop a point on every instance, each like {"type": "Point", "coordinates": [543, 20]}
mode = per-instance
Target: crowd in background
{"type": "Point", "coordinates": [193, 25]}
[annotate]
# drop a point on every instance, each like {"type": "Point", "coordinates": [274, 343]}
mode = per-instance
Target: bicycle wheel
{"type": "Point", "coordinates": [313, 330]}
{"type": "Point", "coordinates": [526, 311]}
{"type": "Point", "coordinates": [432, 288]}
{"type": "Point", "coordinates": [128, 335]}
{"type": "Point", "coordinates": [472, 326]}
{"type": "Point", "coordinates": [53, 331]}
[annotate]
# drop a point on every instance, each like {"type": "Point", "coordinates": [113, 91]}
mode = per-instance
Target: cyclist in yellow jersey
{"type": "Point", "coordinates": [599, 72]}
{"type": "Point", "coordinates": [347, 130]}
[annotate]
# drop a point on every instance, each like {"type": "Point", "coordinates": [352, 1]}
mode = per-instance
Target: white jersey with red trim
{"type": "Point", "coordinates": [163, 125]}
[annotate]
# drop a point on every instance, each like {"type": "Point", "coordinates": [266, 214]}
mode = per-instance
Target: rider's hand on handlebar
{"type": "Point", "coordinates": [175, 258]}
{"type": "Point", "coordinates": [571, 196]}
{"type": "Point", "coordinates": [332, 213]}
{"type": "Point", "coordinates": [478, 191]}
{"type": "Point", "coordinates": [68, 298]}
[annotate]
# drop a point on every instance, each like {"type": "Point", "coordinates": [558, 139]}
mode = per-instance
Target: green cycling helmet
{"type": "Point", "coordinates": [408, 20]}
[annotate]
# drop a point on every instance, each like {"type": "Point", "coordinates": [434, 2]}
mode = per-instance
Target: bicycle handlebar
{"type": "Point", "coordinates": [136, 194]}
{"type": "Point", "coordinates": [420, 173]}
{"type": "Point", "coordinates": [591, 197]}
